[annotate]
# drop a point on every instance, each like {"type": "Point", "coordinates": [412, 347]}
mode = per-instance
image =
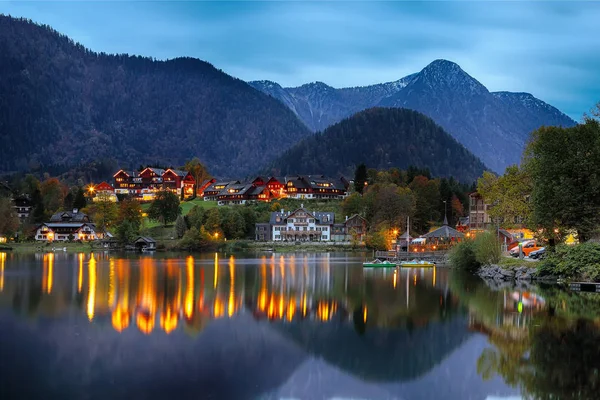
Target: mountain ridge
{"type": "Point", "coordinates": [381, 138]}
{"type": "Point", "coordinates": [65, 104]}
{"type": "Point", "coordinates": [493, 125]}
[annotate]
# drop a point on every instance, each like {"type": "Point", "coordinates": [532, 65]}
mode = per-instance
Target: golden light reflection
{"type": "Point", "coordinates": [91, 287]}
{"type": "Point", "coordinates": [80, 275]}
{"type": "Point", "coordinates": [395, 278]}
{"type": "Point", "coordinates": [188, 302]}
{"type": "Point", "coordinates": [216, 271]}
{"type": "Point", "coordinates": [169, 319]}
{"type": "Point", "coordinates": [291, 310]}
{"type": "Point", "coordinates": [231, 300]}
{"type": "Point", "coordinates": [50, 274]}
{"type": "Point", "coordinates": [304, 305]}
{"type": "Point", "coordinates": [434, 276]}
{"type": "Point", "coordinates": [365, 314]}
{"type": "Point", "coordinates": [415, 280]}
{"type": "Point", "coordinates": [218, 308]}
{"type": "Point", "coordinates": [112, 283]}
{"type": "Point", "coordinates": [2, 262]}
{"type": "Point", "coordinates": [121, 315]}
{"type": "Point", "coordinates": [146, 300]}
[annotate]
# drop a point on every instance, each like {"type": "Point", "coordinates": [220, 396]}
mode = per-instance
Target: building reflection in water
{"type": "Point", "coordinates": [162, 295]}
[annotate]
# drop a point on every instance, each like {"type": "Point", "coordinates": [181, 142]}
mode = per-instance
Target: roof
{"type": "Point", "coordinates": [178, 172]}
{"type": "Point", "coordinates": [356, 216]}
{"type": "Point", "coordinates": [405, 236]}
{"type": "Point", "coordinates": [157, 171]}
{"type": "Point", "coordinates": [69, 216]}
{"type": "Point", "coordinates": [239, 188]}
{"type": "Point", "coordinates": [71, 225]}
{"type": "Point", "coordinates": [318, 215]}
{"type": "Point", "coordinates": [104, 186]}
{"type": "Point", "coordinates": [443, 232]}
{"type": "Point", "coordinates": [146, 239]}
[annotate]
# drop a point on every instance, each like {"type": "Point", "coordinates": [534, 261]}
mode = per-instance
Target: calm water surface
{"type": "Point", "coordinates": [284, 326]}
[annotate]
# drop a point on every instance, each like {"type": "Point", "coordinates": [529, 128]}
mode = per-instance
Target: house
{"type": "Point", "coordinates": [179, 182]}
{"type": "Point", "coordinates": [301, 225]}
{"type": "Point", "coordinates": [314, 187]}
{"type": "Point", "coordinates": [262, 232]}
{"type": "Point", "coordinates": [479, 219]}
{"type": "Point", "coordinates": [104, 191]}
{"type": "Point", "coordinates": [145, 184]}
{"type": "Point", "coordinates": [237, 193]}
{"type": "Point", "coordinates": [68, 225]}
{"type": "Point", "coordinates": [211, 193]}
{"type": "Point", "coordinates": [22, 206]}
{"type": "Point", "coordinates": [145, 243]}
{"type": "Point", "coordinates": [200, 190]}
{"type": "Point", "coordinates": [356, 228]}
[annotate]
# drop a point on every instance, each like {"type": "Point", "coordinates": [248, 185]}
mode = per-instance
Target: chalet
{"type": "Point", "coordinates": [261, 193]}
{"type": "Point", "coordinates": [315, 187]}
{"type": "Point", "coordinates": [179, 182]}
{"type": "Point", "coordinates": [479, 219]}
{"type": "Point", "coordinates": [301, 225]}
{"type": "Point", "coordinates": [211, 193]}
{"type": "Point", "coordinates": [356, 228]}
{"type": "Point", "coordinates": [263, 232]}
{"type": "Point", "coordinates": [68, 225]}
{"type": "Point", "coordinates": [104, 191]}
{"type": "Point", "coordinates": [237, 193]}
{"type": "Point", "coordinates": [200, 190]}
{"type": "Point", "coordinates": [146, 183]}
{"type": "Point", "coordinates": [22, 206]}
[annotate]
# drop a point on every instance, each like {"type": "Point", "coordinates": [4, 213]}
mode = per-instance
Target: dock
{"type": "Point", "coordinates": [434, 256]}
{"type": "Point", "coordinates": [590, 287]}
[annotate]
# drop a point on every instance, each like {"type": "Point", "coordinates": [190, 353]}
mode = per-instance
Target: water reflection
{"type": "Point", "coordinates": [405, 330]}
{"type": "Point", "coordinates": [153, 293]}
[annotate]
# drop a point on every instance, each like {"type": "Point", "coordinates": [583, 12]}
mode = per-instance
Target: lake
{"type": "Point", "coordinates": [284, 326]}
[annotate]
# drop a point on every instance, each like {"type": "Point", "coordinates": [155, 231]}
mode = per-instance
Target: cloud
{"type": "Point", "coordinates": [547, 48]}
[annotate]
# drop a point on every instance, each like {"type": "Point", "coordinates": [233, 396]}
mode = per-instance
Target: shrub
{"type": "Point", "coordinates": [573, 262]}
{"type": "Point", "coordinates": [463, 256]}
{"type": "Point", "coordinates": [487, 249]}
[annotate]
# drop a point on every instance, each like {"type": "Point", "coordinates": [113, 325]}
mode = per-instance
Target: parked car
{"type": "Point", "coordinates": [527, 246]}
{"type": "Point", "coordinates": [538, 253]}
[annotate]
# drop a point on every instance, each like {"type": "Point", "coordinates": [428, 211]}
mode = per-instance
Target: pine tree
{"type": "Point", "coordinates": [360, 178]}
{"type": "Point", "coordinates": [79, 202]}
{"type": "Point", "coordinates": [180, 227]}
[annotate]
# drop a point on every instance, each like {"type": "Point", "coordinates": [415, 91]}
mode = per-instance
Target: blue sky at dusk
{"type": "Point", "coordinates": [548, 48]}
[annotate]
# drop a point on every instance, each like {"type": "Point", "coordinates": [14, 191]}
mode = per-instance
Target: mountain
{"type": "Point", "coordinates": [61, 103]}
{"type": "Point", "coordinates": [494, 126]}
{"type": "Point", "coordinates": [381, 138]}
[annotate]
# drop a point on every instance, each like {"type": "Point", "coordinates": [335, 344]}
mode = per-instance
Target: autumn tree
{"type": "Point", "coordinates": [130, 210]}
{"type": "Point", "coordinates": [53, 194]}
{"type": "Point", "coordinates": [103, 211]}
{"type": "Point", "coordinates": [564, 165]}
{"type": "Point", "coordinates": [165, 207]}
{"type": "Point", "coordinates": [213, 221]}
{"type": "Point", "coordinates": [352, 204]}
{"type": "Point", "coordinates": [198, 171]}
{"type": "Point", "coordinates": [9, 221]}
{"type": "Point", "coordinates": [507, 195]}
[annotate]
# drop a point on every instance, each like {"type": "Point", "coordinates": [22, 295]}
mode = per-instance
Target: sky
{"type": "Point", "coordinates": [548, 48]}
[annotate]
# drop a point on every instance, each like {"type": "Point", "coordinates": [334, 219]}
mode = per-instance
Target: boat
{"type": "Point", "coordinates": [417, 264]}
{"type": "Point", "coordinates": [379, 264]}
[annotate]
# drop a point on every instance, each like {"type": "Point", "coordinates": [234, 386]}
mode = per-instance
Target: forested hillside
{"type": "Point", "coordinates": [381, 138]}
{"type": "Point", "coordinates": [61, 103]}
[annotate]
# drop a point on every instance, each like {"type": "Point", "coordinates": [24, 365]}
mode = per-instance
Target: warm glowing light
{"type": "Point", "coordinates": [434, 276]}
{"type": "Point", "coordinates": [218, 308]}
{"type": "Point", "coordinates": [271, 310]}
{"type": "Point", "coordinates": [50, 236]}
{"type": "Point", "coordinates": [365, 314]}
{"type": "Point", "coordinates": [304, 305]}
{"type": "Point", "coordinates": [2, 262]}
{"type": "Point", "coordinates": [231, 300]}
{"type": "Point", "coordinates": [80, 275]}
{"type": "Point", "coordinates": [556, 230]}
{"type": "Point", "coordinates": [120, 319]}
{"type": "Point", "coordinates": [395, 278]}
{"type": "Point", "coordinates": [91, 287]}
{"type": "Point", "coordinates": [188, 302]}
{"type": "Point", "coordinates": [168, 320]}
{"type": "Point", "coordinates": [216, 277]}
{"type": "Point", "coordinates": [281, 307]}
{"type": "Point", "coordinates": [216, 235]}
{"type": "Point", "coordinates": [48, 274]}
{"type": "Point", "coordinates": [112, 283]}
{"type": "Point", "coordinates": [291, 310]}
{"type": "Point", "coordinates": [146, 300]}
{"type": "Point", "coordinates": [395, 231]}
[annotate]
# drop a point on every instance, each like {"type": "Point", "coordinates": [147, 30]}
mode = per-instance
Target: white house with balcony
{"type": "Point", "coordinates": [301, 225]}
{"type": "Point", "coordinates": [68, 225]}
